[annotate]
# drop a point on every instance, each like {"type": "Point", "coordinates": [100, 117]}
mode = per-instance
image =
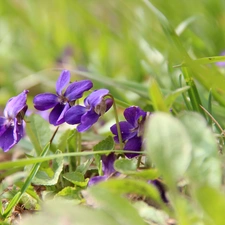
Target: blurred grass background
{"type": "Point", "coordinates": [121, 44]}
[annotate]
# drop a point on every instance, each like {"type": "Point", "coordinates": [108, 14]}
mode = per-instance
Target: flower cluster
{"type": "Point", "coordinates": [131, 130]}
{"type": "Point", "coordinates": [64, 108]}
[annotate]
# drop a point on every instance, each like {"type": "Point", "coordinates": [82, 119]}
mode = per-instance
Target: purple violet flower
{"type": "Point", "coordinates": [131, 130]}
{"type": "Point", "coordinates": [94, 106]}
{"type": "Point", "coordinates": [61, 102]}
{"type": "Point", "coordinates": [12, 124]}
{"type": "Point", "coordinates": [107, 169]}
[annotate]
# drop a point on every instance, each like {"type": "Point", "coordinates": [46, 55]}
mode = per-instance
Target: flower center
{"type": "Point", "coordinates": [100, 109]}
{"type": "Point", "coordinates": [63, 100]}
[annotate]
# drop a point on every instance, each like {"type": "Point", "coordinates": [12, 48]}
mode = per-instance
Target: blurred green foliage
{"type": "Point", "coordinates": [116, 39]}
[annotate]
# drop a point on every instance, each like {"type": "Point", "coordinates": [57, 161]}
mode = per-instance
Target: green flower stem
{"type": "Point", "coordinates": [79, 148]}
{"type": "Point", "coordinates": [117, 122]}
{"type": "Point", "coordinates": [72, 160]}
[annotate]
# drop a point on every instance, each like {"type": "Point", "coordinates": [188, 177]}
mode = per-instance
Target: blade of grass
{"type": "Point", "coordinates": [15, 200]}
{"type": "Point", "coordinates": [205, 60]}
{"type": "Point", "coordinates": [193, 92]}
{"type": "Point", "coordinates": [210, 107]}
{"type": "Point", "coordinates": [157, 97]}
{"type": "Point", "coordinates": [184, 96]}
{"type": "Point", "coordinates": [24, 162]}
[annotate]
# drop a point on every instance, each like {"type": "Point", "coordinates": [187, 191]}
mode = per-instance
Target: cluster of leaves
{"type": "Point", "coordinates": [181, 150]}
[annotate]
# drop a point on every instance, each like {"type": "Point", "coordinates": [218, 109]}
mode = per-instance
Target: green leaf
{"type": "Point", "coordinates": [63, 140]}
{"type": "Point", "coordinates": [82, 168]}
{"type": "Point", "coordinates": [69, 193]}
{"type": "Point", "coordinates": [38, 131]}
{"type": "Point", "coordinates": [147, 174]}
{"type": "Point", "coordinates": [60, 212]}
{"type": "Point", "coordinates": [76, 178]}
{"type": "Point", "coordinates": [168, 146]}
{"type": "Point", "coordinates": [169, 99]}
{"type": "Point", "coordinates": [157, 97]}
{"type": "Point", "coordinates": [205, 166]}
{"type": "Point", "coordinates": [131, 186]}
{"type": "Point", "coordinates": [26, 184]}
{"type": "Point", "coordinates": [106, 144]}
{"type": "Point", "coordinates": [212, 202]}
{"type": "Point", "coordinates": [184, 24]}
{"type": "Point", "coordinates": [125, 166]}
{"type": "Point", "coordinates": [49, 176]}
{"type": "Point", "coordinates": [151, 214]}
{"type": "Point", "coordinates": [114, 205]}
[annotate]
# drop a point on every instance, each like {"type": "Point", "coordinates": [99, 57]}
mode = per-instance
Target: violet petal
{"type": "Point", "coordinates": [55, 116]}
{"type": "Point", "coordinates": [7, 140]}
{"type": "Point", "coordinates": [45, 101]}
{"type": "Point", "coordinates": [109, 103]}
{"type": "Point", "coordinates": [108, 164]}
{"type": "Point", "coordinates": [97, 179]}
{"type": "Point", "coordinates": [62, 81]}
{"type": "Point", "coordinates": [18, 131]}
{"type": "Point", "coordinates": [95, 97]}
{"type": "Point", "coordinates": [134, 144]}
{"type": "Point", "coordinates": [76, 89]}
{"type": "Point", "coordinates": [3, 125]}
{"type": "Point", "coordinates": [87, 120]}
{"type": "Point", "coordinates": [126, 131]}
{"type": "Point", "coordinates": [73, 115]}
{"type": "Point", "coordinates": [132, 114]}
{"type": "Point", "coordinates": [15, 105]}
{"type": "Point", "coordinates": [61, 118]}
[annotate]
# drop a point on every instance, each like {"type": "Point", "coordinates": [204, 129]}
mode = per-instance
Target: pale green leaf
{"type": "Point", "coordinates": [50, 175]}
{"type": "Point", "coordinates": [205, 166]}
{"type": "Point", "coordinates": [125, 166]}
{"type": "Point", "coordinates": [38, 131]}
{"type": "Point", "coordinates": [168, 146]}
{"type": "Point", "coordinates": [76, 178]}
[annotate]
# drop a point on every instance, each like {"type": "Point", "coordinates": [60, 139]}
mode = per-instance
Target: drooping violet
{"type": "Point", "coordinates": [131, 129]}
{"type": "Point", "coordinates": [12, 123]}
{"type": "Point", "coordinates": [94, 106]}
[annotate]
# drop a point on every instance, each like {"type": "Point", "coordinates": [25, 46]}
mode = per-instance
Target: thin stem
{"type": "Point", "coordinates": [139, 161]}
{"type": "Point", "coordinates": [72, 160]}
{"type": "Point", "coordinates": [184, 96]}
{"type": "Point", "coordinates": [214, 120]}
{"type": "Point", "coordinates": [117, 122]}
{"type": "Point", "coordinates": [78, 147]}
